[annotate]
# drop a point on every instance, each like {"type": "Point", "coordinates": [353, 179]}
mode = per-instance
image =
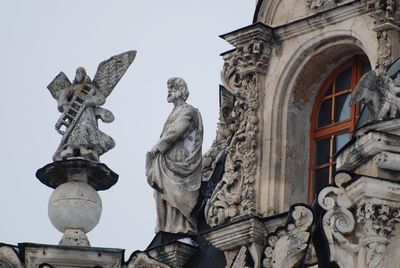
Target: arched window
{"type": "Point", "coordinates": [333, 121]}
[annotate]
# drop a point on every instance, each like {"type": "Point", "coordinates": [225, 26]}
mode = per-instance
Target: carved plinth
{"type": "Point", "coordinates": [248, 231]}
{"type": "Point", "coordinates": [375, 154]}
{"type": "Point", "coordinates": [175, 253]}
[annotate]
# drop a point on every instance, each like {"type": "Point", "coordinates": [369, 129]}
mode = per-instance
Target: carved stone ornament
{"type": "Point", "coordinates": [234, 194]}
{"type": "Point", "coordinates": [80, 101]}
{"type": "Point", "coordinates": [321, 4]}
{"type": "Point", "coordinates": [386, 14]}
{"type": "Point", "coordinates": [384, 11]}
{"type": "Point", "coordinates": [287, 247]}
{"type": "Point", "coordinates": [242, 75]}
{"type": "Point", "coordinates": [9, 258]}
{"type": "Point", "coordinates": [338, 220]}
{"type": "Point", "coordinates": [223, 135]}
{"type": "Point", "coordinates": [380, 93]}
{"type": "Point", "coordinates": [378, 221]}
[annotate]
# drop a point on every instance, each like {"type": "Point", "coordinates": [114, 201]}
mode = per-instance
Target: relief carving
{"type": "Point", "coordinates": [379, 222]}
{"type": "Point", "coordinates": [234, 194]}
{"type": "Point", "coordinates": [321, 4]}
{"type": "Point", "coordinates": [287, 247]}
{"type": "Point", "coordinates": [242, 74]}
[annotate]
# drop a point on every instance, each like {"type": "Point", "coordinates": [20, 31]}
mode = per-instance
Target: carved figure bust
{"type": "Point", "coordinates": [174, 164]}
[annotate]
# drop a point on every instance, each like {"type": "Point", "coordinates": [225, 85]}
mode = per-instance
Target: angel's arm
{"type": "Point", "coordinates": [64, 95]}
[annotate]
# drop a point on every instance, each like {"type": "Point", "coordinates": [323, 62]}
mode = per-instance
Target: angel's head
{"type": "Point", "coordinates": [81, 76]}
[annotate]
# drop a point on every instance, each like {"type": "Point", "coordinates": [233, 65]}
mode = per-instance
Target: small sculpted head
{"type": "Point", "coordinates": [81, 76]}
{"type": "Point", "coordinates": [177, 90]}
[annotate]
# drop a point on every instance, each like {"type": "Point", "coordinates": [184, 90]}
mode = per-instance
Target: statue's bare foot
{"type": "Point", "coordinates": [67, 153]}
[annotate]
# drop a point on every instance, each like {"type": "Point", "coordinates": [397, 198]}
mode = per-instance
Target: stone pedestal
{"type": "Point", "coordinates": [175, 253]}
{"type": "Point", "coordinates": [75, 206]}
{"type": "Point", "coordinates": [248, 231]}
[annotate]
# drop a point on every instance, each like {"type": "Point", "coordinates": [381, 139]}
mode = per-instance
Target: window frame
{"type": "Point", "coordinates": [334, 129]}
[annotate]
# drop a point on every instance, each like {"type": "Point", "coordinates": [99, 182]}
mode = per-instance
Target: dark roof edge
{"type": "Point", "coordinates": [258, 7]}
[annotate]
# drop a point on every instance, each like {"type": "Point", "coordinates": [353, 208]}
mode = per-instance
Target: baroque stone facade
{"type": "Point", "coordinates": [257, 206]}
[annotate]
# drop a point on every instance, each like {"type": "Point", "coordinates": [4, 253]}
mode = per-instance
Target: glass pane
{"type": "Point", "coordinates": [342, 109]}
{"type": "Point", "coordinates": [322, 151]}
{"type": "Point", "coordinates": [341, 140]}
{"type": "Point", "coordinates": [329, 90]}
{"type": "Point", "coordinates": [321, 179]}
{"type": "Point", "coordinates": [365, 68]}
{"type": "Point", "coordinates": [325, 114]}
{"type": "Point", "coordinates": [343, 81]}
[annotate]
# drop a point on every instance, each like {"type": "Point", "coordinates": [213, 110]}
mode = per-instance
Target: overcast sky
{"type": "Point", "coordinates": [38, 39]}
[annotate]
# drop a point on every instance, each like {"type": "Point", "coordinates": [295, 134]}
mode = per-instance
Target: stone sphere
{"type": "Point", "coordinates": [75, 205]}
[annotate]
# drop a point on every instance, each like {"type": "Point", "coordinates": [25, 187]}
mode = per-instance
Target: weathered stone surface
{"type": "Point", "coordinates": [80, 101]}
{"type": "Point", "coordinates": [248, 231]}
{"type": "Point", "coordinates": [287, 246]}
{"type": "Point", "coordinates": [174, 164]}
{"type": "Point", "coordinates": [97, 175]}
{"type": "Point", "coordinates": [142, 260]}
{"type": "Point", "coordinates": [175, 253]}
{"type": "Point", "coordinates": [69, 257]}
{"type": "Point", "coordinates": [9, 258]}
{"type": "Point", "coordinates": [75, 205]}
{"type": "Point", "coordinates": [235, 195]}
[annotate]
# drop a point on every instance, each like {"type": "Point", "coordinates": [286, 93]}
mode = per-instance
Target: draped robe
{"type": "Point", "coordinates": [175, 172]}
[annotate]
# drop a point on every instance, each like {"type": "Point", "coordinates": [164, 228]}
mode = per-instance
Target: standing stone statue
{"type": "Point", "coordinates": [173, 166]}
{"type": "Point", "coordinates": [80, 101]}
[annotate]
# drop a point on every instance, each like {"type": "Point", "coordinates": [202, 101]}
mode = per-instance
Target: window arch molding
{"type": "Point", "coordinates": [288, 99]}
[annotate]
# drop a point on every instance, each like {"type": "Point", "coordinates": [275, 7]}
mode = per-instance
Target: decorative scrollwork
{"type": "Point", "coordinates": [338, 219]}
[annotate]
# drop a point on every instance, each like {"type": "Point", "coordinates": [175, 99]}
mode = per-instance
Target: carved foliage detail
{"type": "Point", "coordinates": [384, 10]}
{"type": "Point", "coordinates": [234, 194]}
{"type": "Point", "coordinates": [379, 222]}
{"type": "Point", "coordinates": [287, 246]}
{"type": "Point", "coordinates": [251, 57]}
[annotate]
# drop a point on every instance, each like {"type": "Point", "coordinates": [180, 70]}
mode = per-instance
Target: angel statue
{"type": "Point", "coordinates": [80, 101]}
{"type": "Point", "coordinates": [380, 92]}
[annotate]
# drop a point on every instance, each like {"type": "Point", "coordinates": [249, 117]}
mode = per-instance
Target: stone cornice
{"type": "Point", "coordinates": [249, 33]}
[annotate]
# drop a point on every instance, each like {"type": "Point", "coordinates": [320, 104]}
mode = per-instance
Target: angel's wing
{"type": "Point", "coordinates": [59, 82]}
{"type": "Point", "coordinates": [366, 89]}
{"type": "Point", "coordinates": [110, 71]}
